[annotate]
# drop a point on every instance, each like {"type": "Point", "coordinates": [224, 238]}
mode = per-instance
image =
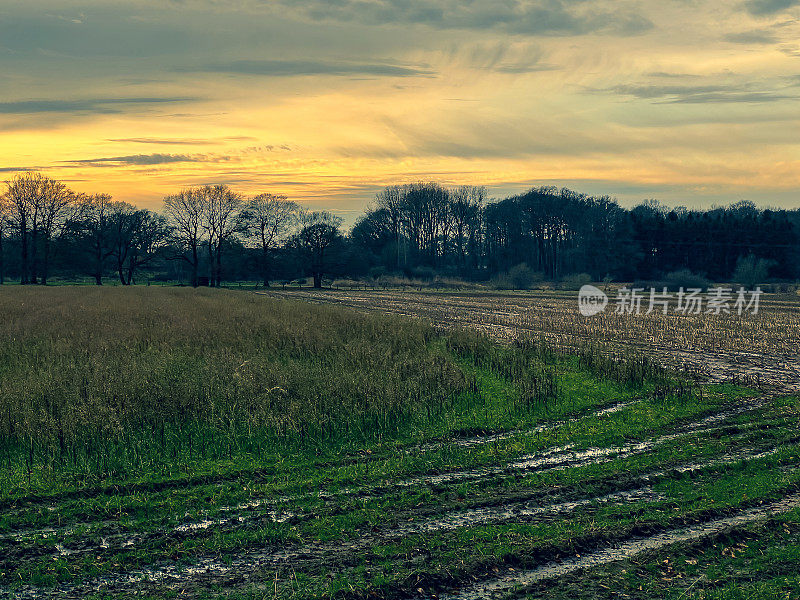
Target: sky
{"type": "Point", "coordinates": [691, 102]}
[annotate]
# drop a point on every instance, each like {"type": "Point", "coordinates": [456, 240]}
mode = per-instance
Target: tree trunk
{"type": "Point", "coordinates": [194, 265]}
{"type": "Point", "coordinates": [98, 264]}
{"type": "Point", "coordinates": [317, 280]}
{"type": "Point", "coordinates": [45, 260]}
{"type": "Point", "coordinates": [211, 268]}
{"type": "Point", "coordinates": [34, 279]}
{"type": "Point", "coordinates": [265, 266]}
{"type": "Point", "coordinates": [120, 270]}
{"type": "Point", "coordinates": [218, 259]}
{"type": "Point", "coordinates": [23, 234]}
{"type": "Point", "coordinates": [2, 274]}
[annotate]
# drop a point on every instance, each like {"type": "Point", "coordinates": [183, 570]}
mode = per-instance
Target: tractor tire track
{"type": "Point", "coordinates": [507, 584]}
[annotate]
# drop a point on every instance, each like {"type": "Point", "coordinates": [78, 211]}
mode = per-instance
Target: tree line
{"type": "Point", "coordinates": [209, 234]}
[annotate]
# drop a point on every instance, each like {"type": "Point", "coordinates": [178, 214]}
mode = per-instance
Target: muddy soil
{"type": "Point", "coordinates": [212, 569]}
{"type": "Point", "coordinates": [501, 586]}
{"type": "Point", "coordinates": [277, 509]}
{"type": "Point", "coordinates": [717, 353]}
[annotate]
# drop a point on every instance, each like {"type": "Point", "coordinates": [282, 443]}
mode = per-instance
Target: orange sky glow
{"type": "Point", "coordinates": [692, 103]}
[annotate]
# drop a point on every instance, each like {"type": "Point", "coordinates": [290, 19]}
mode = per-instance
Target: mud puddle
{"type": "Point", "coordinates": [481, 440]}
{"type": "Point", "coordinates": [213, 569]}
{"type": "Point", "coordinates": [558, 458]}
{"type": "Point", "coordinates": [519, 511]}
{"type": "Point", "coordinates": [470, 517]}
{"type": "Point", "coordinates": [564, 457]}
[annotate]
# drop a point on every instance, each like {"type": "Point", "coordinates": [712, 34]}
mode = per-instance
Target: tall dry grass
{"type": "Point", "coordinates": [103, 378]}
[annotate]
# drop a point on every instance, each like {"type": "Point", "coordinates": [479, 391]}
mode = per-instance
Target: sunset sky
{"type": "Point", "coordinates": [688, 101]}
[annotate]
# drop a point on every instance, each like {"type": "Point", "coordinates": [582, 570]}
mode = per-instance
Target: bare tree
{"type": "Point", "coordinates": [151, 235]}
{"type": "Point", "coordinates": [58, 204]}
{"type": "Point", "coordinates": [220, 220]}
{"type": "Point", "coordinates": [184, 213]}
{"type": "Point", "coordinates": [94, 221]}
{"type": "Point", "coordinates": [392, 200]}
{"type": "Point", "coordinates": [40, 207]}
{"type": "Point", "coordinates": [123, 223]}
{"type": "Point", "coordinates": [139, 236]}
{"type": "Point", "coordinates": [466, 203]}
{"type": "Point", "coordinates": [5, 221]}
{"type": "Point", "coordinates": [268, 219]}
{"type": "Point", "coordinates": [319, 234]}
{"type": "Point", "coordinates": [20, 193]}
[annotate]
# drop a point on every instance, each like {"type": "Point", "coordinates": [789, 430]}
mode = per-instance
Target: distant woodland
{"type": "Point", "coordinates": [210, 235]}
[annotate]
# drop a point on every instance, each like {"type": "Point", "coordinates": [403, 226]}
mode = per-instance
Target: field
{"type": "Point", "coordinates": [760, 348]}
{"type": "Point", "coordinates": [161, 443]}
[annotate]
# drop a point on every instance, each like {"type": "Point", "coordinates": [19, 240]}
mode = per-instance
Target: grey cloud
{"type": "Point", "coordinates": [526, 17]}
{"type": "Point", "coordinates": [105, 31]}
{"type": "Point", "coordinates": [183, 141]}
{"type": "Point", "coordinates": [523, 68]}
{"type": "Point", "coordinates": [290, 68]}
{"type": "Point", "coordinates": [500, 138]}
{"type": "Point", "coordinates": [17, 169]}
{"type": "Point", "coordinates": [730, 97]}
{"type": "Point", "coordinates": [756, 36]}
{"type": "Point", "coordinates": [698, 94]}
{"type": "Point", "coordinates": [97, 105]}
{"type": "Point", "coordinates": [145, 159]}
{"type": "Point", "coordinates": [768, 7]}
{"type": "Point", "coordinates": [665, 75]}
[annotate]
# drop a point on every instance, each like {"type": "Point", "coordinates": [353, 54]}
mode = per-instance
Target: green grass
{"type": "Point", "coordinates": [126, 413]}
{"type": "Point", "coordinates": [103, 385]}
{"type": "Point", "coordinates": [756, 562]}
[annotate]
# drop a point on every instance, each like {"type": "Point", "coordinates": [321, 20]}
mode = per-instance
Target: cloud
{"type": "Point", "coordinates": [183, 141]}
{"type": "Point", "coordinates": [17, 169]}
{"type": "Point", "coordinates": [104, 31]}
{"type": "Point", "coordinates": [756, 36]}
{"type": "Point", "coordinates": [768, 7]}
{"type": "Point", "coordinates": [698, 94]}
{"type": "Point", "coordinates": [526, 17]}
{"type": "Point", "coordinates": [499, 56]}
{"type": "Point", "coordinates": [98, 105]}
{"type": "Point", "coordinates": [145, 159]}
{"type": "Point", "coordinates": [291, 68]}
{"type": "Point", "coordinates": [525, 68]}
{"type": "Point", "coordinates": [666, 75]}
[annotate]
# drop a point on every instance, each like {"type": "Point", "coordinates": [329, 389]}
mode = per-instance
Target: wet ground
{"type": "Point", "coordinates": [446, 510]}
{"type": "Point", "coordinates": [243, 568]}
{"type": "Point", "coordinates": [616, 552]}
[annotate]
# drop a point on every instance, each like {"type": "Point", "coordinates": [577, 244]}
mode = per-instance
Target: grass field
{"type": "Point", "coordinates": [168, 443]}
{"type": "Point", "coordinates": [760, 349]}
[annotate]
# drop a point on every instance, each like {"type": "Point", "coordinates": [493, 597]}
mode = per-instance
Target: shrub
{"type": "Point", "coordinates": [518, 277]}
{"type": "Point", "coordinates": [750, 270]}
{"type": "Point", "coordinates": [685, 279]}
{"type": "Point", "coordinates": [575, 281]}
